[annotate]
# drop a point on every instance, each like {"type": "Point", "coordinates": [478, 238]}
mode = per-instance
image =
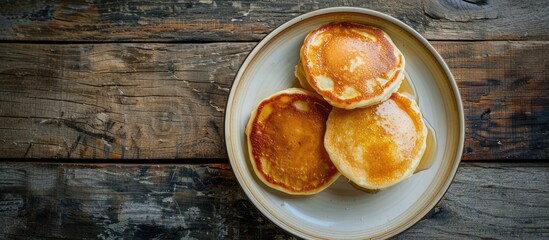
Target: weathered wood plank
{"type": "Point", "coordinates": [486, 200]}
{"type": "Point", "coordinates": [115, 100]}
{"type": "Point", "coordinates": [482, 199]}
{"type": "Point", "coordinates": [129, 202]}
{"type": "Point", "coordinates": [167, 100]}
{"type": "Point", "coordinates": [183, 20]}
{"type": "Point", "coordinates": [505, 92]}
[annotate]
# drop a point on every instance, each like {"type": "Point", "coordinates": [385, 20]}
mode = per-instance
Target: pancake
{"type": "Point", "coordinates": [377, 146]}
{"type": "Point", "coordinates": [286, 142]}
{"type": "Point", "coordinates": [351, 65]}
{"type": "Point", "coordinates": [300, 75]}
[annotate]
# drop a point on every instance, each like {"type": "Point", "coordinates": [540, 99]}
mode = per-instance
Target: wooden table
{"type": "Point", "coordinates": [114, 111]}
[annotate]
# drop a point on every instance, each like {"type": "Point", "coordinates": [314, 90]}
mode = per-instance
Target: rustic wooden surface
{"type": "Point", "coordinates": [208, 20]}
{"type": "Point", "coordinates": [116, 100]}
{"type": "Point", "coordinates": [134, 80]}
{"type": "Point", "coordinates": [486, 200]}
{"type": "Point", "coordinates": [167, 100]}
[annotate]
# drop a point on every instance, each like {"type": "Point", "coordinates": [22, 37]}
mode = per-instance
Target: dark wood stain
{"type": "Point", "coordinates": [207, 21]}
{"type": "Point", "coordinates": [204, 201]}
{"type": "Point", "coordinates": [505, 98]}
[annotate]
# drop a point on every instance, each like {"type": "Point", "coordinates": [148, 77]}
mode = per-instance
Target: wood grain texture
{"type": "Point", "coordinates": [491, 201]}
{"type": "Point", "coordinates": [207, 20]}
{"type": "Point", "coordinates": [115, 100]}
{"type": "Point", "coordinates": [505, 92]}
{"type": "Point", "coordinates": [168, 100]}
{"type": "Point", "coordinates": [486, 200]}
{"type": "Point", "coordinates": [125, 202]}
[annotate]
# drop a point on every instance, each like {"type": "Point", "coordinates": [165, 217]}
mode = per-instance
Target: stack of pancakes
{"type": "Point", "coordinates": [349, 121]}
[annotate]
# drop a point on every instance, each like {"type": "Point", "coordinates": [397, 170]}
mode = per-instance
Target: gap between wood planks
{"type": "Point", "coordinates": [207, 161]}
{"type": "Point", "coordinates": [55, 42]}
{"type": "Point", "coordinates": [186, 161]}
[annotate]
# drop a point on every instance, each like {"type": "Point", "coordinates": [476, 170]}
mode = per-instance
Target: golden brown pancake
{"type": "Point", "coordinates": [377, 146]}
{"type": "Point", "coordinates": [301, 77]}
{"type": "Point", "coordinates": [286, 142]}
{"type": "Point", "coordinates": [351, 65]}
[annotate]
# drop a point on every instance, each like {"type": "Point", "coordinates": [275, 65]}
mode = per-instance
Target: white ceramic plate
{"type": "Point", "coordinates": [341, 211]}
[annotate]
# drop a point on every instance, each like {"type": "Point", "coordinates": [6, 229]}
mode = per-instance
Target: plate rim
{"type": "Point", "coordinates": [342, 10]}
